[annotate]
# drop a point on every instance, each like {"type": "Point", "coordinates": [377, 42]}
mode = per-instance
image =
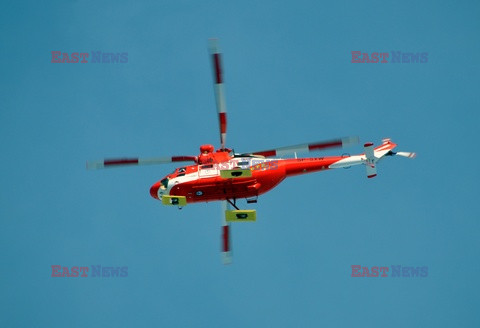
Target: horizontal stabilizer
{"type": "Point", "coordinates": [371, 171]}
{"type": "Point", "coordinates": [370, 160]}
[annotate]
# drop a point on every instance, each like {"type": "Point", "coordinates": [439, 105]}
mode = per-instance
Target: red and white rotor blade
{"type": "Point", "coordinates": [406, 154]}
{"type": "Point", "coordinates": [308, 147]}
{"type": "Point", "coordinates": [92, 165]}
{"type": "Point", "coordinates": [218, 87]}
{"type": "Point", "coordinates": [226, 235]}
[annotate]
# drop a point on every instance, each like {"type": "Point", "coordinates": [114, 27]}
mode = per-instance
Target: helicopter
{"type": "Point", "coordinates": [225, 176]}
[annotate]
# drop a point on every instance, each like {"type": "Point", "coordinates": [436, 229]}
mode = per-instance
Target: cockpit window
{"type": "Point", "coordinates": [164, 183]}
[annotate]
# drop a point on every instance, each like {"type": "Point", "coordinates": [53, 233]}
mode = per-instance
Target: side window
{"type": "Point", "coordinates": [181, 171]}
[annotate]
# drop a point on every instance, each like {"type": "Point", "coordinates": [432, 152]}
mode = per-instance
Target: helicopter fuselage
{"type": "Point", "coordinates": [204, 182]}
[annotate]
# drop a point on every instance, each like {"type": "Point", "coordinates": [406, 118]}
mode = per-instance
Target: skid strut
{"type": "Point", "coordinates": [234, 203]}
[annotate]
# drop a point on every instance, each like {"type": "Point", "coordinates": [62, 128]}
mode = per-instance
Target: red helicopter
{"type": "Point", "coordinates": [222, 175]}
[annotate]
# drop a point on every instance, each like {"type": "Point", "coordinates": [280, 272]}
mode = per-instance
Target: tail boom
{"type": "Point", "coordinates": [371, 157]}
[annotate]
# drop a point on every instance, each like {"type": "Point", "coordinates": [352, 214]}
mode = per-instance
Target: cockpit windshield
{"type": "Point", "coordinates": [164, 183]}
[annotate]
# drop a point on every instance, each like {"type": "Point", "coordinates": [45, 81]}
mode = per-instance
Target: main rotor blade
{"type": "Point", "coordinates": [218, 87]}
{"type": "Point", "coordinates": [305, 148]}
{"type": "Point", "coordinates": [226, 237]}
{"type": "Point", "coordinates": [92, 165]}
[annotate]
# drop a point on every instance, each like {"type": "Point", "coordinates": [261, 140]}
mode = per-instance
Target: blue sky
{"type": "Point", "coordinates": [289, 79]}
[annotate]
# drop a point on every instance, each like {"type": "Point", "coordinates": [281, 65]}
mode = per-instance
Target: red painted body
{"type": "Point", "coordinates": [214, 188]}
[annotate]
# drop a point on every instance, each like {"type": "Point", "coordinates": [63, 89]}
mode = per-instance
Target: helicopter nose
{"type": "Point", "coordinates": [154, 190]}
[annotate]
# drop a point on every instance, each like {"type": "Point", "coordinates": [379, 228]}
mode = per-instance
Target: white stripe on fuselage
{"type": "Point", "coordinates": [209, 172]}
{"type": "Point", "coordinates": [180, 179]}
